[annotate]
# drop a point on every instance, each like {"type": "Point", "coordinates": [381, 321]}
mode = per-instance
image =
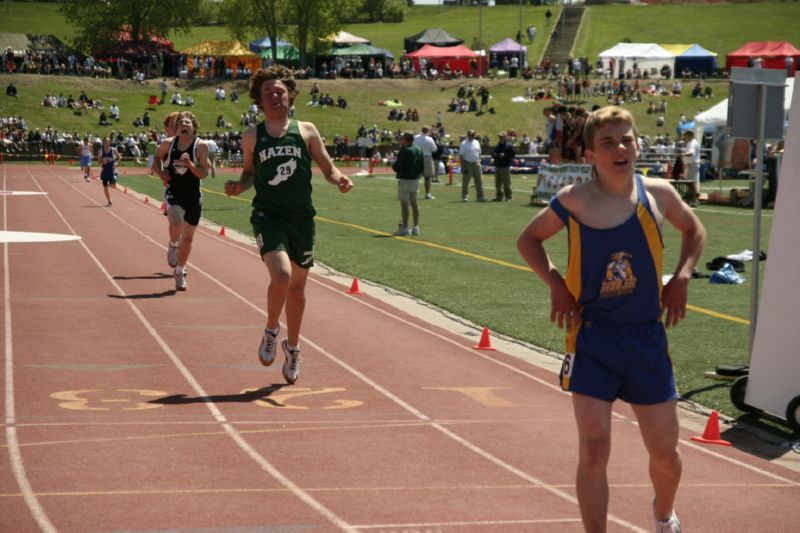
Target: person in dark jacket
{"type": "Point", "coordinates": [408, 166]}
{"type": "Point", "coordinates": [502, 156]}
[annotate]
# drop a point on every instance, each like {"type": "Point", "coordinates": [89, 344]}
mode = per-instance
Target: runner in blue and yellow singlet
{"type": "Point", "coordinates": [109, 158]}
{"type": "Point", "coordinates": [277, 157]}
{"type": "Point", "coordinates": [612, 303]}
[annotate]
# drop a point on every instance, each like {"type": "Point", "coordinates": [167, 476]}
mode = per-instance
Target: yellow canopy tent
{"type": "Point", "coordinates": [232, 52]}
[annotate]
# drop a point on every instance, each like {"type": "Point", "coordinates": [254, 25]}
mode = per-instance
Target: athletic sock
{"type": "Point", "coordinates": [174, 244]}
{"type": "Point", "coordinates": [292, 348]}
{"type": "Point", "coordinates": [273, 332]}
{"type": "Point", "coordinates": [179, 270]}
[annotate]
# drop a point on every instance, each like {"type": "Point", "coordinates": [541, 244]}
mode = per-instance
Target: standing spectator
{"type": "Point", "coordinates": [691, 162]}
{"type": "Point", "coordinates": [470, 152]}
{"type": "Point", "coordinates": [427, 146]}
{"type": "Point", "coordinates": [502, 155]}
{"type": "Point", "coordinates": [163, 90]}
{"type": "Point", "coordinates": [548, 15]}
{"type": "Point", "coordinates": [531, 33]}
{"type": "Point", "coordinates": [212, 155]}
{"type": "Point", "coordinates": [277, 156]}
{"type": "Point", "coordinates": [408, 166]}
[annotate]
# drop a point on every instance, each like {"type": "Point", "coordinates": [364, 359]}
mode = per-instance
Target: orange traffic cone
{"type": "Point", "coordinates": [163, 206]}
{"type": "Point", "coordinates": [711, 434]}
{"type": "Point", "coordinates": [126, 190]}
{"type": "Point", "coordinates": [486, 343]}
{"type": "Point", "coordinates": [147, 199]}
{"type": "Point", "coordinates": [222, 231]}
{"type": "Point", "coordinates": [354, 288]}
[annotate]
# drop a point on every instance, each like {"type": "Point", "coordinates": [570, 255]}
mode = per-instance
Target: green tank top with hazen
{"type": "Point", "coordinates": [282, 173]}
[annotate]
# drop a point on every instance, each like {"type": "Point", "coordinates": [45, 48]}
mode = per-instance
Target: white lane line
{"type": "Point", "coordinates": [425, 525]}
{"type": "Point", "coordinates": [15, 456]}
{"type": "Point", "coordinates": [198, 389]}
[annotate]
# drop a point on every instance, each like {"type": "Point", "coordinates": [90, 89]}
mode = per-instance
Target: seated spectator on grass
{"type": "Point", "coordinates": [341, 102]}
{"type": "Point", "coordinates": [176, 98]}
{"type": "Point", "coordinates": [220, 93]}
{"type": "Point", "coordinates": [103, 119]}
{"type": "Point", "coordinates": [146, 120]}
{"type": "Point", "coordinates": [234, 96]}
{"type": "Point", "coordinates": [138, 123]}
{"type": "Point", "coordinates": [11, 90]}
{"type": "Point", "coordinates": [189, 101]}
{"type": "Point", "coordinates": [113, 111]}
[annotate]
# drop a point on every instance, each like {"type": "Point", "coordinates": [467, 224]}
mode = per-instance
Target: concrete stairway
{"type": "Point", "coordinates": [562, 38]}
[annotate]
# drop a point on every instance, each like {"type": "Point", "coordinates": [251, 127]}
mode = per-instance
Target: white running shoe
{"type": "Point", "coordinates": [180, 281]}
{"type": "Point", "coordinates": [429, 196]}
{"type": "Point", "coordinates": [291, 367]}
{"type": "Point", "coordinates": [172, 255]}
{"type": "Point", "coordinates": [671, 525]}
{"type": "Point", "coordinates": [402, 231]}
{"type": "Point", "coordinates": [268, 347]}
{"type": "Point", "coordinates": [415, 230]}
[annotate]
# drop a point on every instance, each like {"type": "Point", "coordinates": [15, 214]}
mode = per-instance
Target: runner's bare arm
{"type": "Point", "coordinates": [320, 155]}
{"type": "Point", "coordinates": [158, 161]}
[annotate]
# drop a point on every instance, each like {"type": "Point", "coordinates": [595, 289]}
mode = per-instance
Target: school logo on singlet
{"type": "Point", "coordinates": [620, 278]}
{"type": "Point", "coordinates": [285, 170]}
{"type": "Point", "coordinates": [180, 168]}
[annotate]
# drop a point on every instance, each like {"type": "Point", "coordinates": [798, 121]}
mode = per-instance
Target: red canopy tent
{"type": "Point", "coordinates": [458, 56]}
{"type": "Point", "coordinates": [772, 53]}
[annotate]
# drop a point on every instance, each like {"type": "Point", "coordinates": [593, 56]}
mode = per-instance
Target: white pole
{"type": "Point", "coordinates": [757, 200]}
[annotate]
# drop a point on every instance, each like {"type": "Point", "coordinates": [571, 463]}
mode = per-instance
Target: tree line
{"type": "Point", "coordinates": [99, 24]}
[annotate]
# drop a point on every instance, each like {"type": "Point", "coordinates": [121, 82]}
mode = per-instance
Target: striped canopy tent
{"type": "Point", "coordinates": [696, 60]}
{"type": "Point", "coordinates": [232, 52]}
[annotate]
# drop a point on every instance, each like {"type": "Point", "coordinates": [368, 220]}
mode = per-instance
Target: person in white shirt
{"type": "Point", "coordinates": [691, 162]}
{"type": "Point", "coordinates": [470, 152]}
{"type": "Point", "coordinates": [428, 146]}
{"type": "Point", "coordinates": [212, 155]}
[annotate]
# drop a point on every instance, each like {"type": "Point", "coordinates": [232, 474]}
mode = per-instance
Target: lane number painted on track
{"type": "Point", "coordinates": [108, 400]}
{"type": "Point", "coordinates": [281, 400]}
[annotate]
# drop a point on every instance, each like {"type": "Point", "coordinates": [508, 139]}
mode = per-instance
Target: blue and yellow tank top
{"type": "Point", "coordinates": [283, 173]}
{"type": "Point", "coordinates": [107, 160]}
{"type": "Point", "coordinates": [615, 273]}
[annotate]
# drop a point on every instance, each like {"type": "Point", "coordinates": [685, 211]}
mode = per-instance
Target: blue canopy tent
{"type": "Point", "coordinates": [696, 59]}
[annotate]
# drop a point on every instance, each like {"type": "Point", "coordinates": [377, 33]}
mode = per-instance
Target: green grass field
{"type": "Point", "coordinates": [362, 95]}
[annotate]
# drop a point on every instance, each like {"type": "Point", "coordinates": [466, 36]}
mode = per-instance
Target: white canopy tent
{"type": "Point", "coordinates": [650, 57]}
{"type": "Point", "coordinates": [717, 116]}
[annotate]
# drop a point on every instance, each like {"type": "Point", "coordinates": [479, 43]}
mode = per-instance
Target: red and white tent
{"type": "Point", "coordinates": [459, 57]}
{"type": "Point", "coordinates": [772, 53]}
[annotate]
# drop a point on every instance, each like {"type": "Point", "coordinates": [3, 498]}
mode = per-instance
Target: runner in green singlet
{"type": "Point", "coordinates": [277, 157]}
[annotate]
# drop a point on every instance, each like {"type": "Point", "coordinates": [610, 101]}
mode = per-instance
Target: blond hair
{"type": "Point", "coordinates": [606, 115]}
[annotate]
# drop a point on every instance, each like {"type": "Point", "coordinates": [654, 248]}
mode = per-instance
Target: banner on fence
{"type": "Point", "coordinates": [553, 177]}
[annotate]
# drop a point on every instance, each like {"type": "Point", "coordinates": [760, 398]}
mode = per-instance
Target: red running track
{"type": "Point", "coordinates": [129, 407]}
